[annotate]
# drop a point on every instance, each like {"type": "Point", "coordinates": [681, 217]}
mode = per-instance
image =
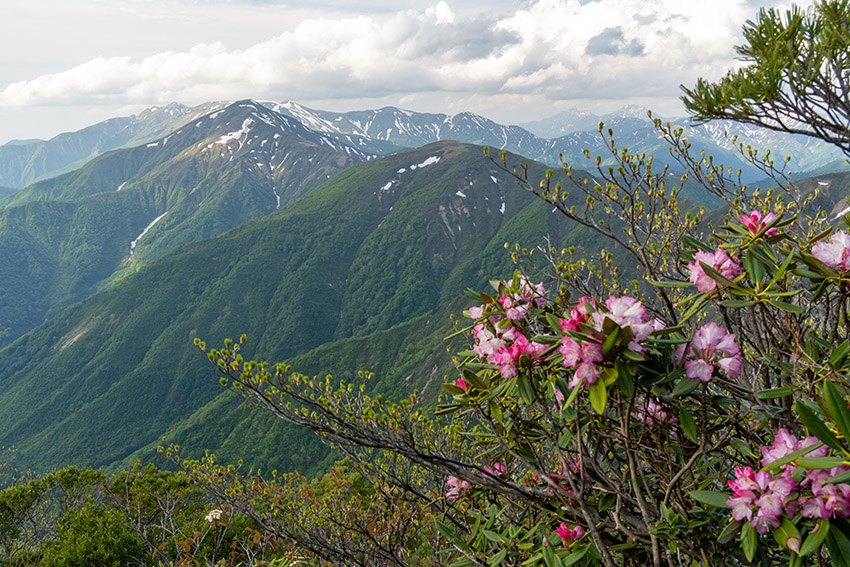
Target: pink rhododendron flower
{"type": "Point", "coordinates": [456, 486]}
{"type": "Point", "coordinates": [462, 384]}
{"type": "Point", "coordinates": [720, 261]}
{"type": "Point", "coordinates": [583, 355]}
{"type": "Point", "coordinates": [474, 312]}
{"type": "Point", "coordinates": [569, 535]}
{"type": "Point", "coordinates": [836, 252]}
{"type": "Point", "coordinates": [498, 469]}
{"type": "Point", "coordinates": [755, 223]}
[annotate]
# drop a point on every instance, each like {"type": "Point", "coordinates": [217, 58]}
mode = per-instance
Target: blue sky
{"type": "Point", "coordinates": [69, 63]}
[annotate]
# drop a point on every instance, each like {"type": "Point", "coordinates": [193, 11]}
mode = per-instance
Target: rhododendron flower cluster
{"type": "Point", "coordinates": [569, 535]}
{"type": "Point", "coordinates": [456, 487]}
{"type": "Point", "coordinates": [584, 356]}
{"type": "Point", "coordinates": [755, 222]}
{"type": "Point", "coordinates": [836, 252]}
{"type": "Point", "coordinates": [720, 261]}
{"type": "Point", "coordinates": [764, 497]}
{"type": "Point", "coordinates": [710, 345]}
{"type": "Point", "coordinates": [498, 340]}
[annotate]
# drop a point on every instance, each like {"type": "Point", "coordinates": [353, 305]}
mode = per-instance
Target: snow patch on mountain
{"type": "Point", "coordinates": [430, 161]}
{"type": "Point", "coordinates": [147, 228]}
{"type": "Point", "coordinates": [238, 134]}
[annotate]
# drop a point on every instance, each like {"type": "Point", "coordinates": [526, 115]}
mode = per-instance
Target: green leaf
{"type": "Point", "coordinates": [710, 497]}
{"type": "Point", "coordinates": [598, 394]}
{"type": "Point", "coordinates": [774, 393]}
{"type": "Point", "coordinates": [749, 541]}
{"type": "Point", "coordinates": [839, 478]}
{"type": "Point", "coordinates": [611, 339]}
{"type": "Point", "coordinates": [815, 538]}
{"type": "Point", "coordinates": [836, 407]}
{"type": "Point", "coordinates": [575, 556]}
{"type": "Point", "coordinates": [729, 532]}
{"type": "Point", "coordinates": [624, 379]}
{"type": "Point", "coordinates": [450, 535]}
{"type": "Point", "coordinates": [670, 284]}
{"type": "Point", "coordinates": [839, 354]}
{"type": "Point", "coordinates": [789, 307]}
{"type": "Point", "coordinates": [549, 556]}
{"type": "Point", "coordinates": [526, 391]}
{"type": "Point", "coordinates": [689, 426]}
{"type": "Point", "coordinates": [791, 457]}
{"type": "Point", "coordinates": [755, 269]}
{"type": "Point", "coordinates": [685, 386]}
{"type": "Point", "coordinates": [817, 427]}
{"type": "Point", "coordinates": [787, 535]}
{"type": "Point", "coordinates": [821, 462]}
{"type": "Point", "coordinates": [736, 303]}
{"type": "Point", "coordinates": [781, 271]}
{"type": "Point", "coordinates": [721, 279]}
{"type": "Point", "coordinates": [839, 547]}
{"type": "Point", "coordinates": [498, 558]}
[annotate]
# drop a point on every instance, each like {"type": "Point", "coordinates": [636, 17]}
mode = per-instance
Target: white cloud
{"type": "Point", "coordinates": [544, 53]}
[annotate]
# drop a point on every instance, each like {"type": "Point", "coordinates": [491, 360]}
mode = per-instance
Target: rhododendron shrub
{"type": "Point", "coordinates": [697, 416]}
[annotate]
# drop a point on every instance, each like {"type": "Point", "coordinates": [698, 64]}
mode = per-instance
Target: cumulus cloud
{"type": "Point", "coordinates": [548, 50]}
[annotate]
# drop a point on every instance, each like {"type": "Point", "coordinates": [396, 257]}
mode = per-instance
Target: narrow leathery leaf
{"type": "Point", "coordinates": [624, 380]}
{"type": "Point", "coordinates": [611, 339]}
{"type": "Point", "coordinates": [572, 397]}
{"type": "Point", "coordinates": [670, 284]}
{"type": "Point", "coordinates": [821, 462]}
{"type": "Point", "coordinates": [815, 538]}
{"type": "Point", "coordinates": [450, 535]}
{"type": "Point", "coordinates": [685, 386]}
{"type": "Point", "coordinates": [694, 243]}
{"type": "Point", "coordinates": [689, 426]}
{"type": "Point", "coordinates": [736, 303]}
{"type": "Point", "coordinates": [710, 497]}
{"type": "Point", "coordinates": [598, 394]}
{"type": "Point", "coordinates": [553, 322]}
{"type": "Point", "coordinates": [839, 547]}
{"type": "Point", "coordinates": [729, 532]}
{"type": "Point", "coordinates": [575, 556]}
{"type": "Point", "coordinates": [498, 558]}
{"type": "Point", "coordinates": [787, 535]}
{"type": "Point", "coordinates": [632, 355]}
{"type": "Point", "coordinates": [755, 269]}
{"type": "Point", "coordinates": [789, 307]}
{"type": "Point", "coordinates": [781, 271]}
{"type": "Point", "coordinates": [549, 556]}
{"type": "Point", "coordinates": [836, 407]}
{"type": "Point", "coordinates": [842, 478]}
{"type": "Point", "coordinates": [720, 278]}
{"type": "Point", "coordinates": [799, 453]}
{"type": "Point", "coordinates": [817, 427]}
{"type": "Point", "coordinates": [839, 354]}
{"type": "Point", "coordinates": [749, 541]}
{"type": "Point", "coordinates": [526, 391]}
{"type": "Point", "coordinates": [774, 393]}
{"type": "Point", "coordinates": [452, 389]}
{"type": "Point", "coordinates": [609, 376]}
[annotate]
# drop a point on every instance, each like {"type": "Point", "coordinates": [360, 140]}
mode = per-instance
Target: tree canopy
{"type": "Point", "coordinates": [795, 78]}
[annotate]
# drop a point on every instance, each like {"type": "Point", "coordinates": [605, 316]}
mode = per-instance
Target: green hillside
{"type": "Point", "coordinates": [395, 238]}
{"type": "Point", "coordinates": [64, 238]}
